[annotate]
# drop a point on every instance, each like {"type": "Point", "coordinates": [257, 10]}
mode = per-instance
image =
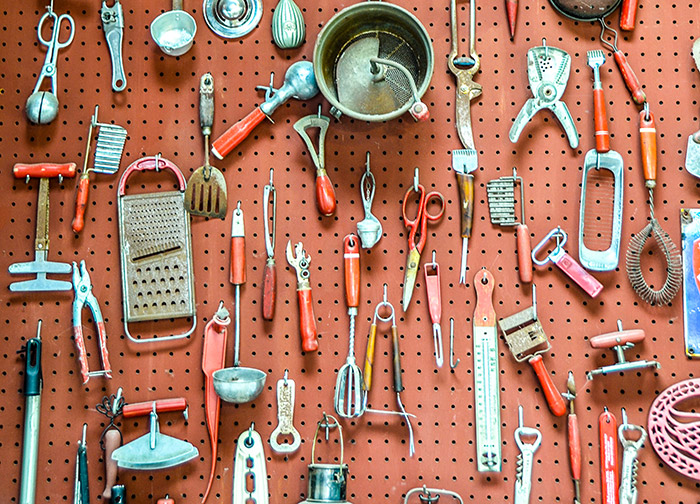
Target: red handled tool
{"type": "Point", "coordinates": [574, 439]}
{"type": "Point", "coordinates": [607, 426]}
{"type": "Point", "coordinates": [213, 359]}
{"type": "Point", "coordinates": [325, 193]}
{"type": "Point", "coordinates": [628, 14]}
{"type": "Point", "coordinates": [299, 83]}
{"type": "Point", "coordinates": [299, 260]}
{"type": "Point", "coordinates": [432, 288]}
{"type": "Point", "coordinates": [270, 271]}
{"type": "Point", "coordinates": [628, 75]}
{"type": "Point", "coordinates": [527, 341]}
{"type": "Point", "coordinates": [82, 290]}
{"type": "Point", "coordinates": [512, 12]}
{"type": "Point", "coordinates": [161, 406]}
{"type": "Point", "coordinates": [596, 59]}
{"type": "Point", "coordinates": [166, 500]}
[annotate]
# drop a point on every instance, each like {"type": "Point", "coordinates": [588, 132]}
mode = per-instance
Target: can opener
{"type": "Point", "coordinates": [113, 26]}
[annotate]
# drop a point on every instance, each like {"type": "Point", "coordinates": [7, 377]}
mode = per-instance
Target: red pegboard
{"type": "Point", "coordinates": [159, 110]}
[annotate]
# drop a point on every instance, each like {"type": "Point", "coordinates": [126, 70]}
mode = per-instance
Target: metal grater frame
{"type": "Point", "coordinates": [500, 194]}
{"type": "Point", "coordinates": [524, 332]}
{"type": "Point", "coordinates": [109, 147]}
{"type": "Point", "coordinates": [156, 253]}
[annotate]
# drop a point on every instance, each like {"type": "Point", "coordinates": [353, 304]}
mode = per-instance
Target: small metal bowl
{"type": "Point", "coordinates": [239, 385]}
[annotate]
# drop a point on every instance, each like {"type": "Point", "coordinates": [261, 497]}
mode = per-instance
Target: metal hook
{"type": "Point", "coordinates": [249, 439]}
{"type": "Point", "coordinates": [416, 179]}
{"type": "Point", "coordinates": [384, 300]}
{"type": "Point", "coordinates": [270, 196]}
{"type": "Point", "coordinates": [158, 161]}
{"type": "Point", "coordinates": [546, 48]}
{"type": "Point", "coordinates": [326, 425]}
{"type": "Point", "coordinates": [286, 376]}
{"type": "Point", "coordinates": [367, 164]}
{"type": "Point", "coordinates": [453, 364]}
{"type": "Point", "coordinates": [534, 302]}
{"type": "Point", "coordinates": [647, 117]}
{"type": "Point", "coordinates": [318, 115]}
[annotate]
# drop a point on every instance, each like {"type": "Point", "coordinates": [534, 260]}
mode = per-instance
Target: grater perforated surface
{"type": "Point", "coordinates": [159, 110]}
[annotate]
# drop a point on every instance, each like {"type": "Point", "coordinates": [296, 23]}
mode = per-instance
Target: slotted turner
{"type": "Point", "coordinates": [206, 194]}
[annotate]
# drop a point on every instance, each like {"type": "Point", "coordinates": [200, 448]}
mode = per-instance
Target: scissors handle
{"type": "Point", "coordinates": [413, 223]}
{"type": "Point", "coordinates": [54, 43]}
{"type": "Point", "coordinates": [434, 195]}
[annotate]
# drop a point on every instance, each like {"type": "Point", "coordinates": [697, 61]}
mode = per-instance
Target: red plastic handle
{"type": "Point", "coordinates": [325, 194]}
{"type": "Point", "coordinates": [307, 321]}
{"type": "Point", "coordinates": [236, 133]}
{"type": "Point", "coordinates": [81, 200]}
{"type": "Point", "coordinates": [269, 291]}
{"type": "Point", "coordinates": [574, 447]}
{"type": "Point", "coordinates": [351, 261]}
{"type": "Point", "coordinates": [512, 14]}
{"type": "Point", "coordinates": [237, 271]}
{"type": "Point", "coordinates": [628, 15]}
{"type": "Point", "coordinates": [647, 137]}
{"type": "Point", "coordinates": [431, 272]}
{"type": "Point", "coordinates": [607, 426]}
{"type": "Point", "coordinates": [612, 339]}
{"type": "Point", "coordinates": [583, 278]}
{"type": "Point", "coordinates": [43, 170]}
{"type": "Point", "coordinates": [630, 78]}
{"type": "Point", "coordinates": [162, 406]}
{"type": "Point", "coordinates": [524, 253]}
{"type": "Point", "coordinates": [557, 404]}
{"type": "Point", "coordinates": [602, 135]}
{"type": "Point", "coordinates": [166, 501]}
{"type": "Point", "coordinates": [112, 440]}
{"type": "Point", "coordinates": [147, 164]}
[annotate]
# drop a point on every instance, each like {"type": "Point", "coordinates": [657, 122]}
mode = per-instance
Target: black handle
{"type": "Point", "coordinates": [32, 371]}
{"type": "Point", "coordinates": [83, 473]}
{"type": "Point", "coordinates": [396, 358]}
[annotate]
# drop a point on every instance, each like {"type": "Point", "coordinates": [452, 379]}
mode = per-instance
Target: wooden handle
{"type": "Point", "coordinates": [607, 426]}
{"type": "Point", "coordinates": [237, 270]}
{"type": "Point", "coordinates": [307, 321]}
{"type": "Point", "coordinates": [557, 404]}
{"type": "Point", "coordinates": [396, 359]}
{"type": "Point", "coordinates": [574, 446]}
{"type": "Point", "coordinates": [522, 234]}
{"type": "Point", "coordinates": [162, 406]}
{"type": "Point", "coordinates": [465, 184]}
{"type": "Point", "coordinates": [237, 133]}
{"type": "Point", "coordinates": [112, 441]}
{"type": "Point", "coordinates": [325, 194]}
{"type": "Point", "coordinates": [369, 357]}
{"type": "Point", "coordinates": [512, 14]}
{"type": "Point", "coordinates": [351, 261]}
{"type": "Point", "coordinates": [628, 15]}
{"type": "Point", "coordinates": [647, 137]}
{"type": "Point", "coordinates": [484, 314]}
{"type": "Point", "coordinates": [43, 170]}
{"type": "Point", "coordinates": [602, 135]}
{"type": "Point", "coordinates": [269, 290]}
{"type": "Point", "coordinates": [630, 78]}
{"type": "Point", "coordinates": [81, 200]}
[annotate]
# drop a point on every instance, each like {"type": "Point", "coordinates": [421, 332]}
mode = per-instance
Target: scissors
{"type": "Point", "coordinates": [418, 234]}
{"type": "Point", "coordinates": [42, 107]}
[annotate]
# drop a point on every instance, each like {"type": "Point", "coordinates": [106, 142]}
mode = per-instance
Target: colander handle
{"type": "Point", "coordinates": [149, 163]}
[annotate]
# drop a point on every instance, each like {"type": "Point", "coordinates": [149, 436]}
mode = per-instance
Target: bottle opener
{"type": "Point", "coordinates": [566, 263]}
{"type": "Point", "coordinates": [607, 429]}
{"type": "Point", "coordinates": [285, 417]}
{"type": "Point", "coordinates": [113, 27]}
{"type": "Point", "coordinates": [249, 471]}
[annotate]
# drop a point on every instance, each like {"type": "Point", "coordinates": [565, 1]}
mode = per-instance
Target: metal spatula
{"type": "Point", "coordinates": [206, 189]}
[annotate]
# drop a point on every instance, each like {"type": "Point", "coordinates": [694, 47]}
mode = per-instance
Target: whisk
{"type": "Point", "coordinates": [349, 398]}
{"type": "Point", "coordinates": [674, 267]}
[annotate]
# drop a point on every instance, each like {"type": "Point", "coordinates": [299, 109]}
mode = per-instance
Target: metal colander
{"type": "Point", "coordinates": [346, 75]}
{"type": "Point", "coordinates": [156, 252]}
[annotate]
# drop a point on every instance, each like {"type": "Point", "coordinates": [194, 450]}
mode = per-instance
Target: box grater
{"type": "Point", "coordinates": [156, 252]}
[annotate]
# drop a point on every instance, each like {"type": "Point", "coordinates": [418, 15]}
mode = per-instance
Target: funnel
{"type": "Point", "coordinates": [174, 30]}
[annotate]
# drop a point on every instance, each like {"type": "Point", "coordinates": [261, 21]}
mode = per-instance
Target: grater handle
{"type": "Point", "coordinates": [147, 164]}
{"type": "Point", "coordinates": [555, 401]}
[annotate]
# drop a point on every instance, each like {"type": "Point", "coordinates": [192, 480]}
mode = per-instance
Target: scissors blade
{"type": "Point", "coordinates": [409, 281]}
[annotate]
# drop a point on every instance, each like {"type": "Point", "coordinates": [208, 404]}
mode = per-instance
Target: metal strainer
{"type": "Point", "coordinates": [373, 61]}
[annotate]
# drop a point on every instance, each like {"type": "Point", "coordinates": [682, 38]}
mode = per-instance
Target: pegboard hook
{"type": "Point", "coordinates": [416, 179]}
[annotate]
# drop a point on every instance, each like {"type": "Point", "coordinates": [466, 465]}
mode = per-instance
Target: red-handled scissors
{"type": "Point", "coordinates": [418, 235]}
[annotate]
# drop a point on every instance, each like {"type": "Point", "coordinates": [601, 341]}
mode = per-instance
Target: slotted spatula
{"type": "Point", "coordinates": [206, 189]}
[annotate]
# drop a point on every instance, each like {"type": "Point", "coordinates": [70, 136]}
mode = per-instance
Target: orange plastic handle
{"type": "Point", "coordinates": [162, 406]}
{"type": "Point", "coordinates": [43, 170]}
{"type": "Point", "coordinates": [630, 78]}
{"type": "Point", "coordinates": [524, 253]}
{"type": "Point", "coordinates": [607, 427]}
{"type": "Point", "coordinates": [237, 271]}
{"type": "Point", "coordinates": [602, 135]}
{"type": "Point", "coordinates": [647, 137]}
{"type": "Point", "coordinates": [556, 402]}
{"type": "Point", "coordinates": [112, 440]}
{"type": "Point", "coordinates": [269, 291]}
{"type": "Point", "coordinates": [628, 15]}
{"type": "Point", "coordinates": [236, 133]}
{"type": "Point", "coordinates": [351, 260]}
{"type": "Point", "coordinates": [325, 194]}
{"type": "Point", "coordinates": [81, 200]}
{"type": "Point", "coordinates": [574, 446]}
{"type": "Point", "coordinates": [307, 321]}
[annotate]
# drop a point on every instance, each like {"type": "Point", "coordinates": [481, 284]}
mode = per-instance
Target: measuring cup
{"type": "Point", "coordinates": [174, 30]}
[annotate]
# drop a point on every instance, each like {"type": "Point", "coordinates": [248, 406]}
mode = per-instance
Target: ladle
{"type": "Point", "coordinates": [174, 30]}
{"type": "Point", "coordinates": [598, 10]}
